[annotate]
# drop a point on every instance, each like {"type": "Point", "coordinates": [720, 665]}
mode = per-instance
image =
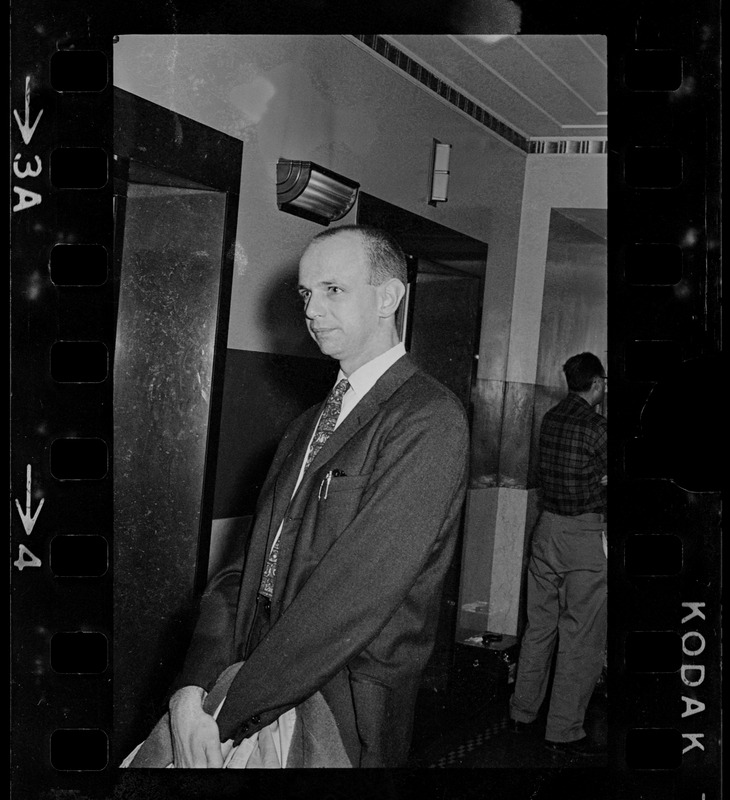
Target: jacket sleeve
{"type": "Point", "coordinates": [413, 496]}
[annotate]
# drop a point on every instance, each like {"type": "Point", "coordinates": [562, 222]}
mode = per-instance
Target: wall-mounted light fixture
{"type": "Point", "coordinates": [313, 192]}
{"type": "Point", "coordinates": [439, 173]}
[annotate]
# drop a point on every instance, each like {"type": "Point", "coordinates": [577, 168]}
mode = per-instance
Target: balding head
{"type": "Point", "coordinates": [382, 252]}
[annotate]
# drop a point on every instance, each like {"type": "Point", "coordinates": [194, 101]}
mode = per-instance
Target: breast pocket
{"type": "Point", "coordinates": [338, 503]}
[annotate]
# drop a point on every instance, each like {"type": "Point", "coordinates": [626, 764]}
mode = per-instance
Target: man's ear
{"type": "Point", "coordinates": [391, 293]}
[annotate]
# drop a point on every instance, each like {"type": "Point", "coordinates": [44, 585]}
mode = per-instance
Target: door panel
{"type": "Point", "coordinates": [445, 316]}
{"type": "Point", "coordinates": [173, 269]}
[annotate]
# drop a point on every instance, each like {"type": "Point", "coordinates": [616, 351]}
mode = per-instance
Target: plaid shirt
{"type": "Point", "coordinates": [573, 458]}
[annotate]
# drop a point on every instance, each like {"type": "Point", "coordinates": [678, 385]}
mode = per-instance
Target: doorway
{"type": "Point", "coordinates": [440, 326]}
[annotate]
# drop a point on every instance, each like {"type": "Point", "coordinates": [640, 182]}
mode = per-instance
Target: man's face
{"type": "Point", "coordinates": [341, 307]}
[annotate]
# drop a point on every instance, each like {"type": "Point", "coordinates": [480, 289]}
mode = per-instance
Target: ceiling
{"type": "Point", "coordinates": [541, 86]}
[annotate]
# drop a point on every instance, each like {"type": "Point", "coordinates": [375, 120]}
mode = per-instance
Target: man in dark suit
{"type": "Point", "coordinates": [313, 649]}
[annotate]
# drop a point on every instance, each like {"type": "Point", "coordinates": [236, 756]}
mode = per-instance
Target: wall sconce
{"type": "Point", "coordinates": [439, 173]}
{"type": "Point", "coordinates": [307, 190]}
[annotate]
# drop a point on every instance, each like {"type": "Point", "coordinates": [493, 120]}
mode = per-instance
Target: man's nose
{"type": "Point", "coordinates": [313, 307]}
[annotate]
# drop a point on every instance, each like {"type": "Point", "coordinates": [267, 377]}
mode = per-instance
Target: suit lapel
{"type": "Point", "coordinates": [391, 380]}
{"type": "Point", "coordinates": [289, 472]}
{"type": "Point", "coordinates": [361, 415]}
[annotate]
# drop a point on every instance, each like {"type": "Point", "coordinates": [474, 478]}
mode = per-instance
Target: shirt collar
{"type": "Point", "coordinates": [365, 377]}
{"type": "Point", "coordinates": [577, 399]}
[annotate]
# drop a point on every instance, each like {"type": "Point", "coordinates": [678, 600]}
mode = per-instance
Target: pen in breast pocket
{"type": "Point", "coordinates": [325, 485]}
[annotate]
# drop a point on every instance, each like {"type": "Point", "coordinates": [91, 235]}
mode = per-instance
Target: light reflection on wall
{"type": "Point", "coordinates": [252, 99]}
{"type": "Point", "coordinates": [574, 312]}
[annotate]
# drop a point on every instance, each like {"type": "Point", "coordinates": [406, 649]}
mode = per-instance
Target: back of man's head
{"type": "Point", "coordinates": [385, 256]}
{"type": "Point", "coordinates": [580, 370]}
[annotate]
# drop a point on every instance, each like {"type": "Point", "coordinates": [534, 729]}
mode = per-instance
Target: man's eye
{"type": "Point", "coordinates": [335, 289]}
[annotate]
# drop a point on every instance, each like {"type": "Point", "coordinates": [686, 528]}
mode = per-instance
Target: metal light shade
{"type": "Point", "coordinates": [313, 192]}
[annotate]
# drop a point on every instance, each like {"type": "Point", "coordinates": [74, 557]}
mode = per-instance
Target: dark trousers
{"type": "Point", "coordinates": [566, 605]}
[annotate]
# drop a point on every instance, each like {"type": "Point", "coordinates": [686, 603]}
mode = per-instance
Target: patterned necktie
{"type": "Point", "coordinates": [325, 427]}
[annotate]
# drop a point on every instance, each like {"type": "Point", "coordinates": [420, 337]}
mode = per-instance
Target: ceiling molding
{"type": "Point", "coordinates": [398, 58]}
{"type": "Point", "coordinates": [566, 146]}
{"type": "Point", "coordinates": [543, 85]}
{"type": "Point", "coordinates": [429, 79]}
{"type": "Point", "coordinates": [504, 80]}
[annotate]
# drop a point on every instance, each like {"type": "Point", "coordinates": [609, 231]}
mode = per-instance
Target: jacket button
{"type": "Point", "coordinates": [255, 719]}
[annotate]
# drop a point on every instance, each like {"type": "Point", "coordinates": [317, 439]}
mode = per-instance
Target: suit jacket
{"type": "Point", "coordinates": [360, 570]}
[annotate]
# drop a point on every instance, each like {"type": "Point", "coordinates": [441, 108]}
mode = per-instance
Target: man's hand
{"type": "Point", "coordinates": [604, 480]}
{"type": "Point", "coordinates": [195, 739]}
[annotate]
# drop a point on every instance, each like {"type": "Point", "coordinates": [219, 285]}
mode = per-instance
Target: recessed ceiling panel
{"type": "Point", "coordinates": [541, 86]}
{"type": "Point", "coordinates": [573, 63]}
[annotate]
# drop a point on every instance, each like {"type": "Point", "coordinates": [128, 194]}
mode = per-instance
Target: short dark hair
{"type": "Point", "coordinates": [580, 371]}
{"type": "Point", "coordinates": [385, 256]}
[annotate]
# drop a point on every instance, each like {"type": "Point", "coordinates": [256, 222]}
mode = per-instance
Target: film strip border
{"type": "Point", "coordinates": [62, 336]}
{"type": "Point", "coordinates": [664, 277]}
{"type": "Point", "coordinates": [664, 342]}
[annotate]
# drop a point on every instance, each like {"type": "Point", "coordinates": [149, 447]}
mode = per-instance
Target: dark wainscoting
{"type": "Point", "coordinates": [262, 394]}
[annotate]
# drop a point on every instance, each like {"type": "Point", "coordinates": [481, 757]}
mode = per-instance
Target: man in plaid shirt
{"type": "Point", "coordinates": [566, 588]}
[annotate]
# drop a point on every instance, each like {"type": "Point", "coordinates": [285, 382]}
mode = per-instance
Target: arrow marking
{"type": "Point", "coordinates": [27, 518]}
{"type": "Point", "coordinates": [26, 130]}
